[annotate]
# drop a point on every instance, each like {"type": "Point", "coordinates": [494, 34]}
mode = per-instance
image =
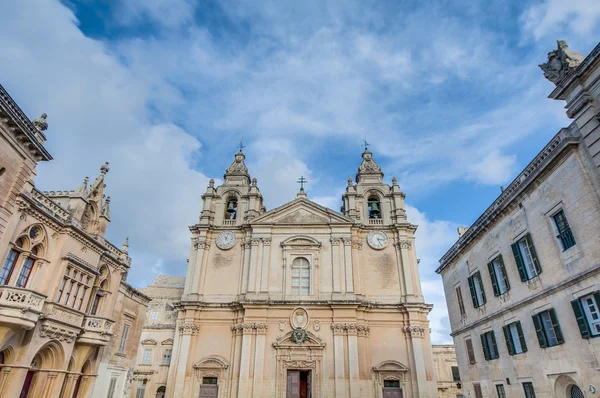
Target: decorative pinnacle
{"type": "Point", "coordinates": [125, 247]}
{"type": "Point", "coordinates": [211, 183]}
{"type": "Point", "coordinates": [254, 181]}
{"type": "Point", "coordinates": [104, 169]}
{"type": "Point", "coordinates": [394, 181]}
{"type": "Point", "coordinates": [349, 181]}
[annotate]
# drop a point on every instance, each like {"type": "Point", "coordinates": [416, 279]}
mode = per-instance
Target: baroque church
{"type": "Point", "coordinates": [302, 301]}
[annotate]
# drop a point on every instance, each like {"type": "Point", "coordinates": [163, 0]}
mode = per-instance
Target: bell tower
{"type": "Point", "coordinates": [236, 201]}
{"type": "Point", "coordinates": [371, 202]}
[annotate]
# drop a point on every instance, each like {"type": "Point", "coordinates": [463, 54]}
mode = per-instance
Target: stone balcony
{"type": "Point", "coordinates": [96, 330]}
{"type": "Point", "coordinates": [20, 307]}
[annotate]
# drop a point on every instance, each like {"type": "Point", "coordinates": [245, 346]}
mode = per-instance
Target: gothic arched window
{"type": "Point", "coordinates": [300, 277]}
{"type": "Point", "coordinates": [374, 207]}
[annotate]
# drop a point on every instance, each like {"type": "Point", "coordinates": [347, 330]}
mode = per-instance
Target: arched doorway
{"type": "Point", "coordinates": [575, 392]}
{"type": "Point", "coordinates": [48, 357]}
{"type": "Point", "coordinates": [160, 393]}
{"type": "Point", "coordinates": [85, 369]}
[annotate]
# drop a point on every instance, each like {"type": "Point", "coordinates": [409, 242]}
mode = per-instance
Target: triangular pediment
{"type": "Point", "coordinates": [302, 211]}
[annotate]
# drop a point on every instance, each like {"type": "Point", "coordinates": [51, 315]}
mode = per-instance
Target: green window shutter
{"type": "Point", "coordinates": [539, 330]}
{"type": "Point", "coordinates": [556, 326]}
{"type": "Point", "coordinates": [581, 319]}
{"type": "Point", "coordinates": [455, 374]}
{"type": "Point", "coordinates": [473, 294]}
{"type": "Point", "coordinates": [486, 349]}
{"type": "Point", "coordinates": [494, 347]}
{"type": "Point", "coordinates": [536, 262]}
{"type": "Point", "coordinates": [509, 342]}
{"type": "Point", "coordinates": [481, 287]}
{"type": "Point", "coordinates": [521, 336]}
{"type": "Point", "coordinates": [519, 260]}
{"type": "Point", "coordinates": [504, 274]}
{"type": "Point", "coordinates": [493, 278]}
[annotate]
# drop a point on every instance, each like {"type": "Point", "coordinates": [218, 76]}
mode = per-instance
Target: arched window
{"type": "Point", "coordinates": [300, 277]}
{"type": "Point", "coordinates": [374, 207]}
{"type": "Point", "coordinates": [32, 236]}
{"type": "Point", "coordinates": [103, 286]}
{"type": "Point", "coordinates": [231, 209]}
{"type": "Point", "coordinates": [160, 393]}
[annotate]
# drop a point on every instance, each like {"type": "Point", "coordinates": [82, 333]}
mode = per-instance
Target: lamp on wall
{"type": "Point", "coordinates": [592, 388]}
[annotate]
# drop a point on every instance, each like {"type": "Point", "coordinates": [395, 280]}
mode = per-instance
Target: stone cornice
{"type": "Point", "coordinates": [10, 107]}
{"type": "Point", "coordinates": [565, 138]}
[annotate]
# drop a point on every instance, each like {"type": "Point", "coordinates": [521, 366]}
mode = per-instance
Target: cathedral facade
{"type": "Point", "coordinates": [302, 301]}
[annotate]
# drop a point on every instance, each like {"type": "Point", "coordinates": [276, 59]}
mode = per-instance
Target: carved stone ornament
{"type": "Point", "coordinates": [189, 328]}
{"type": "Point", "coordinates": [250, 328]}
{"type": "Point", "coordinates": [238, 167]}
{"type": "Point", "coordinates": [282, 325]}
{"type": "Point", "coordinates": [414, 331]}
{"type": "Point", "coordinates": [316, 325]}
{"type": "Point", "coordinates": [352, 329]}
{"type": "Point", "coordinates": [40, 123]}
{"type": "Point", "coordinates": [57, 333]}
{"type": "Point", "coordinates": [561, 62]}
{"type": "Point", "coordinates": [299, 336]}
{"type": "Point", "coordinates": [299, 318]}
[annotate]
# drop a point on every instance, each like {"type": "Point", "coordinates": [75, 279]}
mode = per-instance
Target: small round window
{"type": "Point", "coordinates": [35, 232]}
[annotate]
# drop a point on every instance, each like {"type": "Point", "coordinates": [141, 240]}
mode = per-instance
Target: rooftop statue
{"type": "Point", "coordinates": [561, 62]}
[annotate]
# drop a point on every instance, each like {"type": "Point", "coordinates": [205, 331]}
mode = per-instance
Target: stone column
{"type": "Point", "coordinates": [338, 356]}
{"type": "Point", "coordinates": [348, 264]}
{"type": "Point", "coordinates": [244, 383]}
{"type": "Point", "coordinates": [69, 384]}
{"type": "Point", "coordinates": [266, 265]}
{"type": "Point", "coordinates": [186, 331]}
{"type": "Point", "coordinates": [335, 263]}
{"type": "Point", "coordinates": [247, 246]}
{"type": "Point", "coordinates": [403, 247]}
{"type": "Point", "coordinates": [253, 265]}
{"type": "Point", "coordinates": [259, 359]}
{"type": "Point", "coordinates": [415, 337]}
{"type": "Point", "coordinates": [4, 376]}
{"type": "Point", "coordinates": [353, 361]}
{"type": "Point", "coordinates": [356, 247]}
{"type": "Point", "coordinates": [200, 272]}
{"type": "Point", "coordinates": [14, 384]}
{"type": "Point", "coordinates": [190, 285]}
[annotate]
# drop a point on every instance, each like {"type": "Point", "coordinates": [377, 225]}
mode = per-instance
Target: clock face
{"type": "Point", "coordinates": [377, 239]}
{"type": "Point", "coordinates": [225, 240]}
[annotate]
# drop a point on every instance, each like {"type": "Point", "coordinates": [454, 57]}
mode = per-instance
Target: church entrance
{"type": "Point", "coordinates": [299, 384]}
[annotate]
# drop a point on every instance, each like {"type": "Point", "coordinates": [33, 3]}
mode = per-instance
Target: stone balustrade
{"type": "Point", "coordinates": [21, 298]}
{"type": "Point", "coordinates": [98, 324]}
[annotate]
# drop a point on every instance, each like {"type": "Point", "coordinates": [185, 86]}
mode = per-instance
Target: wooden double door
{"type": "Point", "coordinates": [299, 384]}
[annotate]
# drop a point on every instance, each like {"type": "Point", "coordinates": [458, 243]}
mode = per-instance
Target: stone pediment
{"type": "Point", "coordinates": [302, 211]}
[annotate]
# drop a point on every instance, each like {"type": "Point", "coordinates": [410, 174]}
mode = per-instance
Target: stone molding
{"type": "Point", "coordinates": [57, 333]}
{"type": "Point", "coordinates": [249, 328]}
{"type": "Point", "coordinates": [350, 329]}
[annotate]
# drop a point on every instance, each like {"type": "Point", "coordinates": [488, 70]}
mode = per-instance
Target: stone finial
{"type": "Point", "coordinates": [104, 169]}
{"type": "Point", "coordinates": [106, 207]}
{"type": "Point", "coordinates": [211, 183]}
{"type": "Point", "coordinates": [349, 181]}
{"type": "Point", "coordinates": [254, 182]}
{"type": "Point", "coordinates": [83, 187]}
{"type": "Point", "coordinates": [561, 62]}
{"type": "Point", "coordinates": [40, 123]}
{"type": "Point", "coordinates": [461, 231]}
{"type": "Point", "coordinates": [394, 181]}
{"type": "Point", "coordinates": [125, 247]}
{"type": "Point", "coordinates": [369, 171]}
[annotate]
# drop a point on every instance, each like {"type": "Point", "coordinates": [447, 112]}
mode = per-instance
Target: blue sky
{"type": "Point", "coordinates": [448, 93]}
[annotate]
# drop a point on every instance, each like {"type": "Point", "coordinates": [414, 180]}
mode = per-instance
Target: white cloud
{"type": "Point", "coordinates": [433, 238]}
{"type": "Point", "coordinates": [553, 17]}
{"type": "Point", "coordinates": [493, 169]}
{"type": "Point", "coordinates": [97, 111]}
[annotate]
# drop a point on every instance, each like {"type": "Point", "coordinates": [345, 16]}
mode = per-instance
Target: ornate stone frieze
{"type": "Point", "coordinates": [57, 333]}
{"type": "Point", "coordinates": [414, 331]}
{"type": "Point", "coordinates": [65, 316]}
{"type": "Point", "coordinates": [250, 328]}
{"type": "Point", "coordinates": [351, 329]}
{"type": "Point", "coordinates": [300, 364]}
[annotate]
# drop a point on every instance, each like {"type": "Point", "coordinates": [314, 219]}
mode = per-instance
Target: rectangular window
{"type": "Point", "coordinates": [488, 343]}
{"type": "Point", "coordinates": [477, 389]}
{"type": "Point", "coordinates": [209, 380]}
{"type": "Point", "coordinates": [547, 328]}
{"type": "Point", "coordinates": [455, 374]}
{"type": "Point", "coordinates": [141, 389]}
{"type": "Point", "coordinates": [9, 265]}
{"type": "Point", "coordinates": [123, 338]}
{"type": "Point", "coordinates": [500, 391]}
{"type": "Point", "coordinates": [470, 351]}
{"type": "Point", "coordinates": [514, 337]}
{"type": "Point", "coordinates": [564, 233]}
{"type": "Point", "coordinates": [477, 290]}
{"type": "Point", "coordinates": [167, 356]}
{"type": "Point", "coordinates": [498, 276]}
{"type": "Point", "coordinates": [528, 389]}
{"type": "Point", "coordinates": [147, 358]}
{"type": "Point", "coordinates": [111, 387]}
{"type": "Point", "coordinates": [154, 315]}
{"type": "Point", "coordinates": [526, 258]}
{"type": "Point", "coordinates": [587, 314]}
{"type": "Point", "coordinates": [25, 272]}
{"type": "Point", "coordinates": [461, 304]}
{"type": "Point", "coordinates": [73, 288]}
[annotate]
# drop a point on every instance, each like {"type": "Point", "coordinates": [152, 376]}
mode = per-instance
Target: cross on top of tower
{"type": "Point", "coordinates": [365, 144]}
{"type": "Point", "coordinates": [241, 146]}
{"type": "Point", "coordinates": [302, 181]}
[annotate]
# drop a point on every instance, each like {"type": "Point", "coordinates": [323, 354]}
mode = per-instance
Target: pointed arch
{"type": "Point", "coordinates": [50, 355]}
{"type": "Point", "coordinates": [7, 355]}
